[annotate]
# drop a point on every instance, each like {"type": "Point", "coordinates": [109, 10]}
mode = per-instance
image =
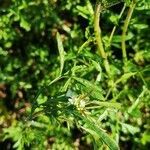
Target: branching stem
{"type": "Point", "coordinates": [98, 37]}
{"type": "Point", "coordinates": [114, 28]}
{"type": "Point", "coordinates": [125, 28]}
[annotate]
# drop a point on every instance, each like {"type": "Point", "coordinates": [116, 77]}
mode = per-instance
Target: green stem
{"type": "Point", "coordinates": [98, 37]}
{"type": "Point", "coordinates": [114, 28]}
{"type": "Point", "coordinates": [125, 28]}
{"type": "Point", "coordinates": [86, 43]}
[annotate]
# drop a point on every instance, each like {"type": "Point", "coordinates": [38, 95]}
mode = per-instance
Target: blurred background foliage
{"type": "Point", "coordinates": [51, 82]}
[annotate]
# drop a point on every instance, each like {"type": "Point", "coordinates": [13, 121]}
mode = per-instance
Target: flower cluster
{"type": "Point", "coordinates": [78, 101]}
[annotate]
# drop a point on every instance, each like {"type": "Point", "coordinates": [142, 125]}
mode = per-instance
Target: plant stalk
{"type": "Point", "coordinates": [98, 37]}
{"type": "Point", "coordinates": [125, 28]}
{"type": "Point", "coordinates": [114, 28]}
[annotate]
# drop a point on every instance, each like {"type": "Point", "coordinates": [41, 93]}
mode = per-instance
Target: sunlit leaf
{"type": "Point", "coordinates": [24, 24]}
{"type": "Point", "coordinates": [99, 133]}
{"type": "Point", "coordinates": [93, 90]}
{"type": "Point", "coordinates": [61, 52]}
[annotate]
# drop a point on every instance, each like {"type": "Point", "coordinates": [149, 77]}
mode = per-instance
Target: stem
{"type": "Point", "coordinates": [98, 37]}
{"type": "Point", "coordinates": [86, 43]}
{"type": "Point", "coordinates": [114, 28]}
{"type": "Point", "coordinates": [125, 28]}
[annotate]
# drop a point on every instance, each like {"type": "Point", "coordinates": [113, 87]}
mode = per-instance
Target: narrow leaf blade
{"type": "Point", "coordinates": [61, 52]}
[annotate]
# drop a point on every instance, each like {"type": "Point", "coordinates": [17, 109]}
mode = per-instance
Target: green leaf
{"type": "Point", "coordinates": [137, 101]}
{"type": "Point", "coordinates": [118, 39]}
{"type": "Point", "coordinates": [143, 5]}
{"type": "Point", "coordinates": [61, 52]}
{"type": "Point", "coordinates": [24, 24]}
{"type": "Point", "coordinates": [145, 138]}
{"type": "Point", "coordinates": [97, 132]}
{"type": "Point", "coordinates": [97, 66]}
{"type": "Point", "coordinates": [105, 104]}
{"type": "Point", "coordinates": [41, 99]}
{"type": "Point", "coordinates": [95, 91]}
{"type": "Point", "coordinates": [66, 85]}
{"type": "Point", "coordinates": [129, 128]}
{"type": "Point", "coordinates": [86, 11]}
{"type": "Point", "coordinates": [125, 77]}
{"type": "Point", "coordinates": [114, 19]}
{"type": "Point", "coordinates": [140, 26]}
{"type": "Point", "coordinates": [99, 69]}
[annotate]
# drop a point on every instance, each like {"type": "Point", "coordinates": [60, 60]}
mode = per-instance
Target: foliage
{"type": "Point", "coordinates": [74, 74]}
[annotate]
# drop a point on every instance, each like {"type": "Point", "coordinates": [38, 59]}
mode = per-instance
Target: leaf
{"type": "Point", "coordinates": [41, 99]}
{"type": "Point", "coordinates": [99, 69]}
{"type": "Point", "coordinates": [95, 131]}
{"type": "Point", "coordinates": [114, 19]}
{"type": "Point", "coordinates": [125, 77]}
{"type": "Point", "coordinates": [140, 26]}
{"type": "Point", "coordinates": [136, 103]}
{"type": "Point", "coordinates": [143, 5]}
{"type": "Point", "coordinates": [24, 24]}
{"type": "Point", "coordinates": [95, 91]}
{"type": "Point", "coordinates": [19, 144]}
{"type": "Point", "coordinates": [61, 52]}
{"type": "Point", "coordinates": [97, 141]}
{"type": "Point", "coordinates": [86, 11]}
{"type": "Point", "coordinates": [97, 66]}
{"type": "Point", "coordinates": [105, 104]}
{"type": "Point", "coordinates": [66, 85]}
{"type": "Point", "coordinates": [117, 38]}
{"type": "Point", "coordinates": [145, 137]}
{"type": "Point", "coordinates": [129, 128]}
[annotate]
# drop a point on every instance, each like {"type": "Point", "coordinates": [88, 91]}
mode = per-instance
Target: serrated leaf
{"type": "Point", "coordinates": [125, 77]}
{"type": "Point", "coordinates": [95, 91]}
{"type": "Point", "coordinates": [98, 132]}
{"type": "Point", "coordinates": [66, 85]}
{"type": "Point", "coordinates": [61, 52]}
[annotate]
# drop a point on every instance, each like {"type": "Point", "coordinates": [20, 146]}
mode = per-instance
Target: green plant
{"type": "Point", "coordinates": [91, 81]}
